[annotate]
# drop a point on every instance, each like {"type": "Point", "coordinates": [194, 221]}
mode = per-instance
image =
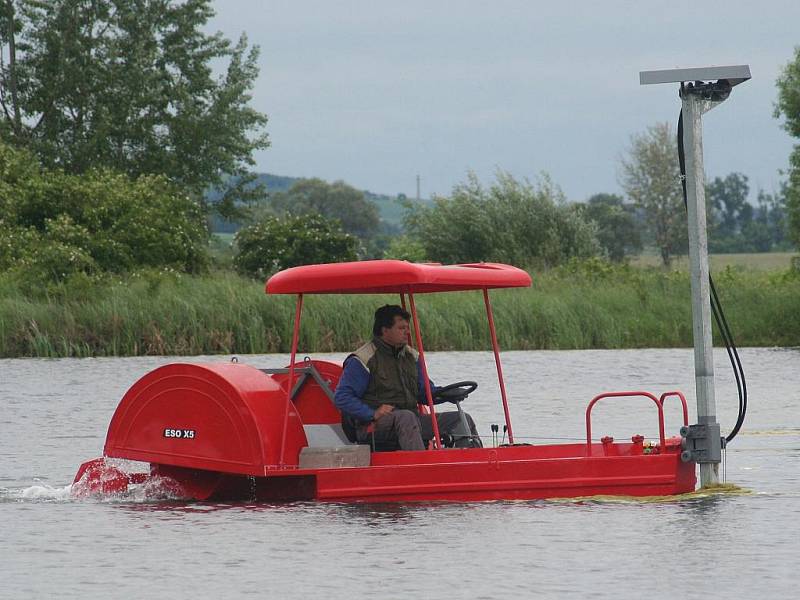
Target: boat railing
{"type": "Point", "coordinates": [680, 397]}
{"type": "Point", "coordinates": [658, 402]}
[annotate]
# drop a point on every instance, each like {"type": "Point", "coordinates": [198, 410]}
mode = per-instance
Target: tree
{"type": "Point", "coordinates": [788, 107]}
{"type": "Point", "coordinates": [727, 199]}
{"type": "Point", "coordinates": [730, 215]}
{"type": "Point", "coordinates": [617, 230]}
{"type": "Point", "coordinates": [54, 224]}
{"type": "Point", "coordinates": [771, 212]}
{"type": "Point", "coordinates": [511, 221]}
{"type": "Point", "coordinates": [128, 85]}
{"type": "Point", "coordinates": [736, 225]}
{"type": "Point", "coordinates": [358, 216]}
{"type": "Point", "coordinates": [279, 243]}
{"type": "Point", "coordinates": [651, 178]}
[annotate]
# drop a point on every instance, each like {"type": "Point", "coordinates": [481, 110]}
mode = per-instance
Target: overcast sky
{"type": "Point", "coordinates": [375, 93]}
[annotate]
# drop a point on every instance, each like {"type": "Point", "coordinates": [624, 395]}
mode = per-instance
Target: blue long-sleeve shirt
{"type": "Point", "coordinates": [353, 384]}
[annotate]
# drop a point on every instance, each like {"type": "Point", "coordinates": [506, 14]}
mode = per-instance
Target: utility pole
{"type": "Point", "coordinates": [417, 188]}
{"type": "Point", "coordinates": [693, 106]}
{"type": "Point", "coordinates": [701, 89]}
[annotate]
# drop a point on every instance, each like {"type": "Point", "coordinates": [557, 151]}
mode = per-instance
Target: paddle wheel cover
{"type": "Point", "coordinates": [222, 417]}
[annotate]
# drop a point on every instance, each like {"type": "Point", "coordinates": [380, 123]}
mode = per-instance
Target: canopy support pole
{"type": "Point", "coordinates": [427, 381]}
{"type": "Point", "coordinates": [496, 349]}
{"type": "Point", "coordinates": [403, 306]}
{"type": "Point", "coordinates": [295, 336]}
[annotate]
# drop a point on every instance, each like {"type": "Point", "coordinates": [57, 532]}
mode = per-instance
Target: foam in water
{"type": "Point", "coordinates": [36, 492]}
{"type": "Point", "coordinates": [46, 492]}
{"type": "Point", "coordinates": [153, 490]}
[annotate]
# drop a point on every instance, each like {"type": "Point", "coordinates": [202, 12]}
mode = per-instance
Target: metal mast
{"type": "Point", "coordinates": [706, 88]}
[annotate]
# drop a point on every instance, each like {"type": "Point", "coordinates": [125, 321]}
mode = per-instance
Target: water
{"type": "Point", "coordinates": [55, 414]}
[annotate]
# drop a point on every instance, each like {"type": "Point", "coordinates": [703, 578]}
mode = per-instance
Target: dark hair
{"type": "Point", "coordinates": [384, 317]}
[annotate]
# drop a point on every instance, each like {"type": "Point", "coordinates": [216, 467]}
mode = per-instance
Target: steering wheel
{"type": "Point", "coordinates": [455, 392]}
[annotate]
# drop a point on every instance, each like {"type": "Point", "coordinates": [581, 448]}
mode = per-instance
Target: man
{"type": "Point", "coordinates": [382, 384]}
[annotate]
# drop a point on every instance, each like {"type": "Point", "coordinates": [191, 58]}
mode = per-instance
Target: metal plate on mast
{"type": "Point", "coordinates": [735, 74]}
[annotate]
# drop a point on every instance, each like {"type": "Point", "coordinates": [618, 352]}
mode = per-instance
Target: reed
{"type": "Point", "coordinates": [584, 305]}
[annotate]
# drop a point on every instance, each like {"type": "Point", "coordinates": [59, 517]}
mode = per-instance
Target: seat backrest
{"type": "Point", "coordinates": [312, 389]}
{"type": "Point", "coordinates": [312, 395]}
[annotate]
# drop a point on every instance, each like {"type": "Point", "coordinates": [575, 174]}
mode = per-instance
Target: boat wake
{"type": "Point", "coordinates": [36, 493]}
{"type": "Point", "coordinates": [153, 489]}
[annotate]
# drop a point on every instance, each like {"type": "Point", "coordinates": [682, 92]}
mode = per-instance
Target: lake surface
{"type": "Point", "coordinates": [54, 415]}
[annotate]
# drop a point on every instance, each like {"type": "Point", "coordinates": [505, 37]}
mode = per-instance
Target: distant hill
{"type": "Point", "coordinates": [391, 211]}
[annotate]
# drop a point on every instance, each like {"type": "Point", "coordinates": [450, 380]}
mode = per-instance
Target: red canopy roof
{"type": "Point", "coordinates": [394, 276]}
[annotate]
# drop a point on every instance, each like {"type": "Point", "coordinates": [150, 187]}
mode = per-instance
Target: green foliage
{"type": "Point", "coordinates": [279, 243]}
{"type": "Point", "coordinates": [54, 225]}
{"type": "Point", "coordinates": [788, 107]}
{"type": "Point", "coordinates": [128, 85]}
{"type": "Point", "coordinates": [511, 221]}
{"type": "Point", "coordinates": [727, 200]}
{"type": "Point", "coordinates": [583, 304]}
{"type": "Point", "coordinates": [237, 198]}
{"type": "Point", "coordinates": [617, 230]}
{"type": "Point", "coordinates": [391, 209]}
{"type": "Point", "coordinates": [357, 215]}
{"type": "Point", "coordinates": [771, 214]}
{"type": "Point", "coordinates": [651, 179]}
{"type": "Point", "coordinates": [404, 247]}
{"type": "Point", "coordinates": [735, 225]}
{"type": "Point", "coordinates": [221, 250]}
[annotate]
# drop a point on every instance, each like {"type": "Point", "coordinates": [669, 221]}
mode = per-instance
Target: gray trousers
{"type": "Point", "coordinates": [411, 430]}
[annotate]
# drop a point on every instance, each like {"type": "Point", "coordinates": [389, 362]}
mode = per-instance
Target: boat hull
{"type": "Point", "coordinates": [507, 474]}
{"type": "Point", "coordinates": [465, 475]}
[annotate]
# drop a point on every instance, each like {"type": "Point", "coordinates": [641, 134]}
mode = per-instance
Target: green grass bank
{"type": "Point", "coordinates": [589, 305]}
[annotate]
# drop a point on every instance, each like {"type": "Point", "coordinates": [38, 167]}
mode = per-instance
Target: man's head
{"type": "Point", "coordinates": [391, 325]}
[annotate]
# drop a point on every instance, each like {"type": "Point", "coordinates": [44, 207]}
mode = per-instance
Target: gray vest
{"type": "Point", "coordinates": [392, 374]}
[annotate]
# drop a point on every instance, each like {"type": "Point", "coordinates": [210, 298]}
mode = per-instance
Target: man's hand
{"type": "Point", "coordinates": [383, 409]}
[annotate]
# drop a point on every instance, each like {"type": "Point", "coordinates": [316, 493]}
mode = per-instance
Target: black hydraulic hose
{"type": "Point", "coordinates": [733, 356]}
{"type": "Point", "coordinates": [716, 309]}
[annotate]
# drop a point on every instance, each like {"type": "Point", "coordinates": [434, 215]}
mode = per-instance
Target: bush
{"type": "Point", "coordinates": [279, 243]}
{"type": "Point", "coordinates": [403, 247]}
{"type": "Point", "coordinates": [511, 222]}
{"type": "Point", "coordinates": [54, 224]}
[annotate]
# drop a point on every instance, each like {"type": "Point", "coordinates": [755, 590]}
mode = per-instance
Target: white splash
{"type": "Point", "coordinates": [37, 492]}
{"type": "Point", "coordinates": [155, 489]}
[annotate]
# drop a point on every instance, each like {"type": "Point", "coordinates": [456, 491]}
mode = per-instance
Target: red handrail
{"type": "Point", "coordinates": [680, 396]}
{"type": "Point", "coordinates": [596, 399]}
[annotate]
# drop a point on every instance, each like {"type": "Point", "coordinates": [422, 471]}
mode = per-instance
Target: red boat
{"type": "Point", "coordinates": [236, 432]}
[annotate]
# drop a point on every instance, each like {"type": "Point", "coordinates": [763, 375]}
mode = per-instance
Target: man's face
{"type": "Point", "coordinates": [397, 334]}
